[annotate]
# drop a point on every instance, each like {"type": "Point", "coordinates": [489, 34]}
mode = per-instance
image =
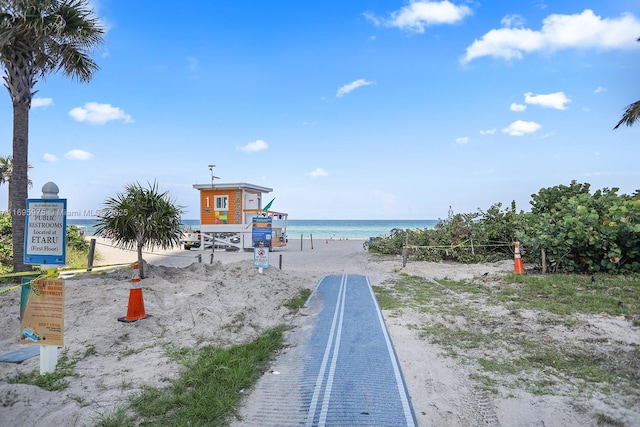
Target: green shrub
{"type": "Point", "coordinates": [578, 231]}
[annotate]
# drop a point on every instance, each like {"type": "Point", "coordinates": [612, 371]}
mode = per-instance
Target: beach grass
{"type": "Point", "coordinates": [502, 328]}
{"type": "Point", "coordinates": [299, 301]}
{"type": "Point", "coordinates": [52, 381]}
{"type": "Point", "coordinates": [208, 389]}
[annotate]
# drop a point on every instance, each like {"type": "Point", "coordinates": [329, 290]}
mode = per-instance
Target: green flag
{"type": "Point", "coordinates": [268, 205]}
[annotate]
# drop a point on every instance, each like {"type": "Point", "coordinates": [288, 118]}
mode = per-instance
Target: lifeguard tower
{"type": "Point", "coordinates": [229, 213]}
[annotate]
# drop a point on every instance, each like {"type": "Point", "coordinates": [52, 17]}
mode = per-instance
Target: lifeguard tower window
{"type": "Point", "coordinates": [222, 203]}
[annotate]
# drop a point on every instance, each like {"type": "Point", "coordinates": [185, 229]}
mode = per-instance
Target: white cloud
{"type": "Point", "coordinates": [49, 157]}
{"type": "Point", "coordinates": [319, 172]}
{"type": "Point", "coordinates": [462, 140]}
{"type": "Point", "coordinates": [252, 147]}
{"type": "Point", "coordinates": [600, 89]}
{"type": "Point", "coordinates": [41, 102]}
{"type": "Point", "coordinates": [488, 131]}
{"type": "Point", "coordinates": [579, 31]}
{"type": "Point", "coordinates": [78, 155]}
{"type": "Point", "coordinates": [557, 100]}
{"type": "Point", "coordinates": [512, 21]}
{"type": "Point", "coordinates": [520, 128]}
{"type": "Point", "coordinates": [418, 14]}
{"type": "Point", "coordinates": [517, 107]}
{"type": "Point", "coordinates": [352, 86]}
{"type": "Point", "coordinates": [96, 113]}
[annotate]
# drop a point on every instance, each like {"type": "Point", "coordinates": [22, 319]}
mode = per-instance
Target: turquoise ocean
{"type": "Point", "coordinates": [361, 229]}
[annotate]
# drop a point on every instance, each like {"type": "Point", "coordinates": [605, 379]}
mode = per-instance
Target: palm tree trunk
{"type": "Point", "coordinates": [19, 182]}
{"type": "Point", "coordinates": [140, 263]}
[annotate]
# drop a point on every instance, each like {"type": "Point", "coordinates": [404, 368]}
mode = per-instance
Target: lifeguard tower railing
{"type": "Point", "coordinates": [239, 236]}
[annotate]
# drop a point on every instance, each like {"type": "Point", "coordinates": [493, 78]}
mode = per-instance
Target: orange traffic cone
{"type": "Point", "coordinates": [518, 268]}
{"type": "Point", "coordinates": [135, 278]}
{"type": "Point", "coordinates": [135, 310]}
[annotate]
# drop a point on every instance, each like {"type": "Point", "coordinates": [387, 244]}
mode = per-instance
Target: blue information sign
{"type": "Point", "coordinates": [261, 232]}
{"type": "Point", "coordinates": [45, 236]}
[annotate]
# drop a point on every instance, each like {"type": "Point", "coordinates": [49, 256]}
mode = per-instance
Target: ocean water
{"type": "Point", "coordinates": [351, 229]}
{"type": "Point", "coordinates": [361, 229]}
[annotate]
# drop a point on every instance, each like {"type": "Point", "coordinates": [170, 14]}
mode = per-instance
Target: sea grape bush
{"type": "Point", "coordinates": [584, 232]}
{"type": "Point", "coordinates": [474, 237]}
{"type": "Point", "coordinates": [76, 239]}
{"type": "Point", "coordinates": [577, 230]}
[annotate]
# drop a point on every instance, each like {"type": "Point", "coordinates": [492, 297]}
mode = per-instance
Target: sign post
{"type": "Point", "coordinates": [42, 301]}
{"type": "Point", "coordinates": [261, 233]}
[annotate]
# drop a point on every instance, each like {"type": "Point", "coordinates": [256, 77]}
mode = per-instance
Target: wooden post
{"type": "Point", "coordinates": [543, 257]}
{"type": "Point", "coordinates": [280, 262]}
{"type": "Point", "coordinates": [405, 250]}
{"type": "Point", "coordinates": [92, 251]}
{"type": "Point", "coordinates": [213, 245]}
{"type": "Point", "coordinates": [301, 238]}
{"type": "Point", "coordinates": [311, 237]}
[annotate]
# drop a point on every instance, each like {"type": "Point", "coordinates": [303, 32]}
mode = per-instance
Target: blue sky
{"type": "Point", "coordinates": [365, 109]}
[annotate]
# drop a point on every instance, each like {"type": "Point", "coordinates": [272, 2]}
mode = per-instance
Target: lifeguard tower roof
{"type": "Point", "coordinates": [233, 186]}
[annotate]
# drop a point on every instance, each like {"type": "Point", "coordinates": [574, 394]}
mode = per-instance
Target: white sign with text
{"type": "Point", "coordinates": [45, 239]}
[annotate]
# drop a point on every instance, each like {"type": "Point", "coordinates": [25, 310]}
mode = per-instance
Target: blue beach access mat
{"type": "Point", "coordinates": [343, 372]}
{"type": "Point", "coordinates": [21, 355]}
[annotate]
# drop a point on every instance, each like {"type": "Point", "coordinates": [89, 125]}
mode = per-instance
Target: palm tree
{"type": "Point", "coordinates": [631, 114]}
{"type": "Point", "coordinates": [6, 170]}
{"type": "Point", "coordinates": [40, 37]}
{"type": "Point", "coordinates": [141, 217]}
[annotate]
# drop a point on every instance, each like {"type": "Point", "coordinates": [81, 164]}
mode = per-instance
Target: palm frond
{"type": "Point", "coordinates": [630, 115]}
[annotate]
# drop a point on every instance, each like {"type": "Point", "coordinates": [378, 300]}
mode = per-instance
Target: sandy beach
{"type": "Point", "coordinates": [192, 303]}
